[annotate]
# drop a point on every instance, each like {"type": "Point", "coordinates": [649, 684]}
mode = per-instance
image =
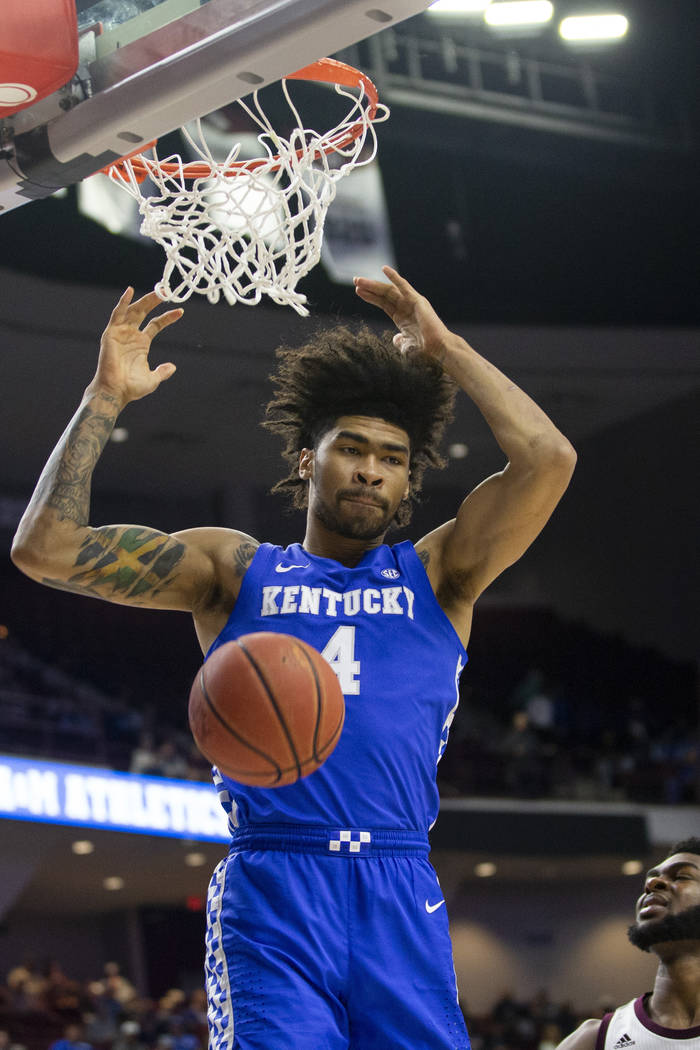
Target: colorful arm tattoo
{"type": "Point", "coordinates": [133, 562]}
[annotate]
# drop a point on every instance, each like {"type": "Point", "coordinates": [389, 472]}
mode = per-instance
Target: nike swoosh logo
{"type": "Point", "coordinates": [288, 568]}
{"type": "Point", "coordinates": [430, 908]}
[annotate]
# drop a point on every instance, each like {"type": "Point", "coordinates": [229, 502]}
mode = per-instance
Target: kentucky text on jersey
{"type": "Point", "coordinates": [321, 601]}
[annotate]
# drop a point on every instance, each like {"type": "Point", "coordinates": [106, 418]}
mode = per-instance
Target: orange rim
{"type": "Point", "coordinates": [325, 70]}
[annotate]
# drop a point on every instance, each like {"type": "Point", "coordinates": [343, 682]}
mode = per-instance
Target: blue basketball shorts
{"type": "Point", "coordinates": [329, 939]}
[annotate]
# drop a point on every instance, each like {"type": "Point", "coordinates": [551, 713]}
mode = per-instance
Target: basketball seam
{"type": "Point", "coordinates": [231, 730]}
{"type": "Point", "coordinates": [332, 740]}
{"type": "Point", "coordinates": [275, 706]}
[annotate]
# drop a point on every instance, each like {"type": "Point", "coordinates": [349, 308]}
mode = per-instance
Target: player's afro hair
{"type": "Point", "coordinates": [344, 372]}
{"type": "Point", "coordinates": [691, 845]}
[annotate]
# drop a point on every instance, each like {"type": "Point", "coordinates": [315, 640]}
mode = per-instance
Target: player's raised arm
{"type": "Point", "coordinates": [498, 520]}
{"type": "Point", "coordinates": [55, 543]}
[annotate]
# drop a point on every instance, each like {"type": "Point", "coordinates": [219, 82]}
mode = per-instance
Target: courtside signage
{"type": "Point", "coordinates": [54, 793]}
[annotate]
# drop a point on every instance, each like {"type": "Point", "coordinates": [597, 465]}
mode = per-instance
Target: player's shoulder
{"type": "Point", "coordinates": [582, 1038]}
{"type": "Point", "coordinates": [221, 543]}
{"type": "Point", "coordinates": [450, 583]}
{"type": "Point", "coordinates": [228, 554]}
{"type": "Point", "coordinates": [431, 547]}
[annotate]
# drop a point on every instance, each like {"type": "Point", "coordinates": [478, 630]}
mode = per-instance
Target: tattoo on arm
{"type": "Point", "coordinates": [424, 557]}
{"type": "Point", "coordinates": [243, 556]}
{"type": "Point", "coordinates": [132, 563]}
{"type": "Point", "coordinates": [65, 484]}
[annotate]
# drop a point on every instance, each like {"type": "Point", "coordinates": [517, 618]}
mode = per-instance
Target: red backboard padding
{"type": "Point", "coordinates": [38, 50]}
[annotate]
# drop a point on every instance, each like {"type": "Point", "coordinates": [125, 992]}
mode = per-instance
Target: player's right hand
{"type": "Point", "coordinates": [123, 369]}
{"type": "Point", "coordinates": [419, 327]}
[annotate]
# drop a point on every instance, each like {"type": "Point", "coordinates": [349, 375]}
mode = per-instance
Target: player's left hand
{"type": "Point", "coordinates": [419, 327]}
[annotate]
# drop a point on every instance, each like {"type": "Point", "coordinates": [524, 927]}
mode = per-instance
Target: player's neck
{"type": "Point", "coordinates": [675, 1000]}
{"type": "Point", "coordinates": [325, 543]}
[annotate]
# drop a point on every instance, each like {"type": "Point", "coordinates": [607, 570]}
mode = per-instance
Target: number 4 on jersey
{"type": "Point", "coordinates": [340, 654]}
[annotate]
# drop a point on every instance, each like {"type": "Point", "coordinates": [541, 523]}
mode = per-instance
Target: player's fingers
{"type": "Point", "coordinates": [119, 312]}
{"type": "Point", "coordinates": [139, 310]}
{"type": "Point", "coordinates": [376, 292]}
{"type": "Point", "coordinates": [157, 324]}
{"type": "Point", "coordinates": [371, 297]}
{"type": "Point", "coordinates": [399, 282]}
{"type": "Point", "coordinates": [368, 284]}
{"type": "Point", "coordinates": [164, 371]}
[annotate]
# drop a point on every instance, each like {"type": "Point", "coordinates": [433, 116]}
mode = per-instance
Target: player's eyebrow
{"type": "Point", "coordinates": [362, 439]}
{"type": "Point", "coordinates": [674, 867]}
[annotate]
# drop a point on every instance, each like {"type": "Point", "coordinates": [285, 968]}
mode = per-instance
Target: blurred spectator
{"type": "Point", "coordinates": [144, 758]}
{"type": "Point", "coordinates": [72, 1039]}
{"type": "Point", "coordinates": [169, 1006]}
{"type": "Point", "coordinates": [171, 762]}
{"type": "Point", "coordinates": [144, 1012]}
{"type": "Point", "coordinates": [194, 1012]}
{"type": "Point", "coordinates": [8, 1043]}
{"type": "Point", "coordinates": [129, 1037]}
{"type": "Point", "coordinates": [183, 1037]}
{"type": "Point", "coordinates": [109, 995]}
{"type": "Point", "coordinates": [116, 985]}
{"type": "Point", "coordinates": [163, 760]}
{"type": "Point", "coordinates": [198, 767]}
{"type": "Point", "coordinates": [27, 986]}
{"type": "Point", "coordinates": [63, 996]}
{"type": "Point", "coordinates": [524, 770]}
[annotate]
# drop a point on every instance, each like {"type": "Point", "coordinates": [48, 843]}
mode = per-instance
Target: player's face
{"type": "Point", "coordinates": [670, 887]}
{"type": "Point", "coordinates": [669, 907]}
{"type": "Point", "coordinates": [358, 475]}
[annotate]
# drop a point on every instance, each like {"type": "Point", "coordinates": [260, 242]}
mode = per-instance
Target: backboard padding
{"type": "Point", "coordinates": [147, 81]}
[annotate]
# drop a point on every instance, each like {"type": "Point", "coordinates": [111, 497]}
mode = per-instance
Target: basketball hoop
{"type": "Point", "coordinates": [247, 228]}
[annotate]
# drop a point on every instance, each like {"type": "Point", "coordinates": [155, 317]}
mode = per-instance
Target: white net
{"type": "Point", "coordinates": [248, 228]}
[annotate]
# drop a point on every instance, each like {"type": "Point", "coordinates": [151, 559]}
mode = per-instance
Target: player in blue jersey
{"type": "Point", "coordinates": [327, 928]}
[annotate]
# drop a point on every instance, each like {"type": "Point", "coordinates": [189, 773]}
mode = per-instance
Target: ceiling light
{"type": "Point", "coordinates": [119, 435]}
{"type": "Point", "coordinates": [458, 7]}
{"type": "Point", "coordinates": [518, 13]}
{"type": "Point", "coordinates": [632, 867]}
{"type": "Point", "coordinates": [113, 882]}
{"type": "Point", "coordinates": [485, 870]}
{"type": "Point", "coordinates": [195, 860]}
{"type": "Point", "coordinates": [585, 28]}
{"type": "Point", "coordinates": [82, 847]}
{"type": "Point", "coordinates": [458, 450]}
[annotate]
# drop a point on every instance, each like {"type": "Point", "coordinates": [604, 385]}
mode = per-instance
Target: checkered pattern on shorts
{"type": "Point", "coordinates": [220, 1013]}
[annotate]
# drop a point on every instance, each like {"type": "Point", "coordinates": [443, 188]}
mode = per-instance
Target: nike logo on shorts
{"type": "Point", "coordinates": [288, 568]}
{"type": "Point", "coordinates": [430, 908]}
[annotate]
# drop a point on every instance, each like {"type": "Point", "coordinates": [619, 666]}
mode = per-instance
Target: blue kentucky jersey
{"type": "Point", "coordinates": [398, 659]}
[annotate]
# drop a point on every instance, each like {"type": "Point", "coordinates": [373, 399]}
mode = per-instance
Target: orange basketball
{"type": "Point", "coordinates": [266, 709]}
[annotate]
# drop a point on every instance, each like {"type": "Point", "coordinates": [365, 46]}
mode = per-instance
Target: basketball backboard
{"type": "Point", "coordinates": [147, 67]}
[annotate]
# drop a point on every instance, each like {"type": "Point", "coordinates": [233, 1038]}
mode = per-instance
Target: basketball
{"type": "Point", "coordinates": [266, 709]}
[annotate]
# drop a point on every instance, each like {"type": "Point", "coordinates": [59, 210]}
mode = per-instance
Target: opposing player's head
{"type": "Point", "coordinates": [355, 385]}
{"type": "Point", "coordinates": [668, 911]}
